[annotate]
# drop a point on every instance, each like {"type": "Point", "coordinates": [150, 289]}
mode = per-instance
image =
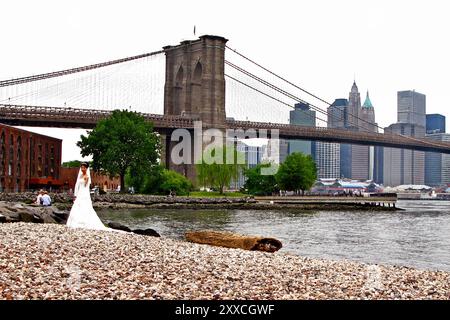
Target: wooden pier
{"type": "Point", "coordinates": [387, 202]}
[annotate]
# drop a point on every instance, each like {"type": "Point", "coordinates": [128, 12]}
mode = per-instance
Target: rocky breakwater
{"type": "Point", "coordinates": [64, 201]}
{"type": "Point", "coordinates": [30, 197]}
{"type": "Point", "coordinates": [117, 200]}
{"type": "Point", "coordinates": [15, 212]}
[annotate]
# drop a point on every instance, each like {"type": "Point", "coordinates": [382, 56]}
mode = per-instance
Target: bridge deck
{"type": "Point", "coordinates": [21, 115]}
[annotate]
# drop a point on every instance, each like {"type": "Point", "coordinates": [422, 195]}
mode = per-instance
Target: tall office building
{"type": "Point", "coordinates": [367, 116]}
{"type": "Point", "coordinates": [435, 123]}
{"type": "Point", "coordinates": [357, 161]}
{"type": "Point", "coordinates": [354, 105]}
{"type": "Point", "coordinates": [378, 165]}
{"type": "Point", "coordinates": [302, 115]}
{"type": "Point", "coordinates": [411, 107]}
{"type": "Point", "coordinates": [403, 166]}
{"type": "Point", "coordinates": [363, 156]}
{"type": "Point", "coordinates": [375, 152]}
{"type": "Point", "coordinates": [437, 165]}
{"type": "Point", "coordinates": [327, 160]}
{"type": "Point", "coordinates": [328, 154]}
{"type": "Point", "coordinates": [338, 114]}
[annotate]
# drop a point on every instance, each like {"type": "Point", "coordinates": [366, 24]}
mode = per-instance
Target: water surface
{"type": "Point", "coordinates": [417, 237]}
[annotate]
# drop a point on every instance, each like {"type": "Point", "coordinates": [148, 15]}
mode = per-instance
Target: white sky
{"type": "Point", "coordinates": [320, 45]}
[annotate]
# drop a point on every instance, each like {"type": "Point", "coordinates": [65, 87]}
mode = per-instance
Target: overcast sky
{"type": "Point", "coordinates": [321, 45]}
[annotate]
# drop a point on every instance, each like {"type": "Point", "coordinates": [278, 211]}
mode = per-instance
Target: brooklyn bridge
{"type": "Point", "coordinates": [196, 80]}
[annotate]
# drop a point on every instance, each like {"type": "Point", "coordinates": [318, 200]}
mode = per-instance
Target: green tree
{"type": "Point", "coordinates": [147, 182]}
{"type": "Point", "coordinates": [297, 172]}
{"type": "Point", "coordinates": [71, 164]}
{"type": "Point", "coordinates": [123, 141]}
{"type": "Point", "coordinates": [260, 184]}
{"type": "Point", "coordinates": [159, 180]}
{"type": "Point", "coordinates": [153, 180]}
{"type": "Point", "coordinates": [215, 171]}
{"type": "Point", "coordinates": [172, 181]}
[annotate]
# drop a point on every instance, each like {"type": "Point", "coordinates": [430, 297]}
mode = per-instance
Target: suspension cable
{"type": "Point", "coordinates": [316, 97]}
{"type": "Point", "coordinates": [267, 95]}
{"type": "Point", "coordinates": [291, 95]}
{"type": "Point", "coordinates": [43, 76]}
{"type": "Point", "coordinates": [293, 84]}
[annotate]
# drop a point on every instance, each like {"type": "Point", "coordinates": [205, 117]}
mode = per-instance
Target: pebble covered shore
{"type": "Point", "coordinates": [49, 261]}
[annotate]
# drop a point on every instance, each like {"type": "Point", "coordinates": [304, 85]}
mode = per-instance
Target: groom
{"type": "Point", "coordinates": [46, 200]}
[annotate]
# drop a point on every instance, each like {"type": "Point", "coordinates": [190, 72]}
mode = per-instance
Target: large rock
{"type": "Point", "coordinates": [118, 226]}
{"type": "Point", "coordinates": [10, 213]}
{"type": "Point", "coordinates": [147, 232]}
{"type": "Point", "coordinates": [60, 216]}
{"type": "Point", "coordinates": [46, 215]}
{"type": "Point", "coordinates": [15, 212]}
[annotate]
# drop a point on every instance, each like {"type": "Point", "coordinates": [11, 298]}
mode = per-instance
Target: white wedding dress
{"type": "Point", "coordinates": [82, 214]}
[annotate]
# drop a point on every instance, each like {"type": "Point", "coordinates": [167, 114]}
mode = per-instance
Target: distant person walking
{"type": "Point", "coordinates": [46, 200]}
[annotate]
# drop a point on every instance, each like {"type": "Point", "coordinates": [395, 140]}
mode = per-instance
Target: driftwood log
{"type": "Point", "coordinates": [233, 240]}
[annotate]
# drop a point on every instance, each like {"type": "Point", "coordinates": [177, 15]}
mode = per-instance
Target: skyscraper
{"type": "Point", "coordinates": [357, 160]}
{"type": "Point", "coordinates": [437, 165]}
{"type": "Point", "coordinates": [367, 116]}
{"type": "Point", "coordinates": [328, 154]}
{"type": "Point", "coordinates": [367, 123]}
{"type": "Point", "coordinates": [338, 114]}
{"type": "Point", "coordinates": [411, 107]}
{"type": "Point", "coordinates": [378, 165]}
{"type": "Point", "coordinates": [403, 166]}
{"type": "Point", "coordinates": [354, 104]}
{"type": "Point", "coordinates": [302, 115]}
{"type": "Point", "coordinates": [327, 160]}
{"type": "Point", "coordinates": [435, 123]}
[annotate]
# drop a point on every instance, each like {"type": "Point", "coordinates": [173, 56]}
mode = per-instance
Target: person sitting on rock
{"type": "Point", "coordinates": [39, 197]}
{"type": "Point", "coordinates": [46, 200]}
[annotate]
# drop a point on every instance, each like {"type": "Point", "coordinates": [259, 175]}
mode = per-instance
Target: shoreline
{"type": "Point", "coordinates": [250, 206]}
{"type": "Point", "coordinates": [49, 261]}
{"type": "Point", "coordinates": [63, 201]}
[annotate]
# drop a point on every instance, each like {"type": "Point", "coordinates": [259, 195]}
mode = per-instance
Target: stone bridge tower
{"type": "Point", "coordinates": [195, 88]}
{"type": "Point", "coordinates": [195, 80]}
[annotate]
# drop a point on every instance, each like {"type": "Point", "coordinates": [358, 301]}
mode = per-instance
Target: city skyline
{"type": "Point", "coordinates": [386, 47]}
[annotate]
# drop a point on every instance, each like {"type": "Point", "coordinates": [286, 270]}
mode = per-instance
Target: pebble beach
{"type": "Point", "coordinates": [50, 261]}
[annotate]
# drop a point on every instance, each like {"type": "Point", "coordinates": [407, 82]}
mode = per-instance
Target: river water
{"type": "Point", "coordinates": [417, 237]}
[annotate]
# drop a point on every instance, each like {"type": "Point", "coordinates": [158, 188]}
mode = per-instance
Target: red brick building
{"type": "Point", "coordinates": [28, 160]}
{"type": "Point", "coordinates": [104, 182]}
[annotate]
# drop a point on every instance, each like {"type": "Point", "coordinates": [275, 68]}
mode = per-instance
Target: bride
{"type": "Point", "coordinates": [82, 214]}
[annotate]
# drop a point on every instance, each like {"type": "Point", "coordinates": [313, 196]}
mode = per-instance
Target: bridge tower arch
{"type": "Point", "coordinates": [195, 80]}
